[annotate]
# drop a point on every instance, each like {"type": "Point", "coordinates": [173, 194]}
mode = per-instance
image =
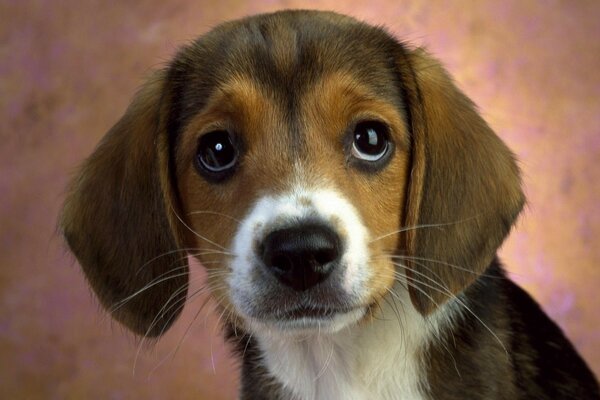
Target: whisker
{"type": "Point", "coordinates": [154, 282]}
{"type": "Point", "coordinates": [209, 251]}
{"type": "Point", "coordinates": [165, 308]}
{"type": "Point", "coordinates": [444, 290]}
{"type": "Point", "coordinates": [159, 279]}
{"type": "Point", "coordinates": [196, 293]}
{"type": "Point", "coordinates": [212, 358]}
{"type": "Point", "coordinates": [196, 233]}
{"type": "Point", "coordinates": [157, 257]}
{"type": "Point", "coordinates": [400, 278]}
{"type": "Point", "coordinates": [326, 364]}
{"type": "Point", "coordinates": [412, 258]}
{"type": "Point", "coordinates": [173, 352]}
{"type": "Point", "coordinates": [215, 213]}
{"type": "Point", "coordinates": [205, 288]}
{"type": "Point", "coordinates": [246, 346]}
{"type": "Point", "coordinates": [410, 228]}
{"type": "Point", "coordinates": [444, 287]}
{"type": "Point", "coordinates": [394, 306]}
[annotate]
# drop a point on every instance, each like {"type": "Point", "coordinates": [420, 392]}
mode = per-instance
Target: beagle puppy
{"type": "Point", "coordinates": [347, 202]}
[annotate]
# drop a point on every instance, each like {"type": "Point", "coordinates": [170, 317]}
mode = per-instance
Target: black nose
{"type": "Point", "coordinates": [302, 256]}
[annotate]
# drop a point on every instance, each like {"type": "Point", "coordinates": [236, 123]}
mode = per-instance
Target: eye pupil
{"type": "Point", "coordinates": [370, 140]}
{"type": "Point", "coordinates": [216, 152]}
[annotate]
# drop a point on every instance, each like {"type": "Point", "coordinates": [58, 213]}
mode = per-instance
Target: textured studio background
{"type": "Point", "coordinates": [69, 68]}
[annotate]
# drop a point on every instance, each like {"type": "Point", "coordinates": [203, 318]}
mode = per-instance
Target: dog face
{"type": "Point", "coordinates": [295, 205]}
{"type": "Point", "coordinates": [299, 156]}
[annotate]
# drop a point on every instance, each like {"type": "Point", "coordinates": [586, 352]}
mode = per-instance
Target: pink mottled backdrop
{"type": "Point", "coordinates": [68, 70]}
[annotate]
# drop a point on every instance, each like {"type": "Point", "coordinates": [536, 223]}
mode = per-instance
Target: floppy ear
{"type": "Point", "coordinates": [464, 189]}
{"type": "Point", "coordinates": [116, 220]}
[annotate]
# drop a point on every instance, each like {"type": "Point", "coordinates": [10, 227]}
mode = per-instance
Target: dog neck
{"type": "Point", "coordinates": [383, 358]}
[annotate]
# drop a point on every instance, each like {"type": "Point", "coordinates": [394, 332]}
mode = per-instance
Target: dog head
{"type": "Point", "coordinates": [309, 162]}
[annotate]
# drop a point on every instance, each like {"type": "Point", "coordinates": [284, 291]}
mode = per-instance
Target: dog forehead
{"type": "Point", "coordinates": [285, 53]}
{"type": "Point", "coordinates": [294, 46]}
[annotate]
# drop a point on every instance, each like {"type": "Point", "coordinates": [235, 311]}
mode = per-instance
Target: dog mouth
{"type": "Point", "coordinates": [307, 319]}
{"type": "Point", "coordinates": [305, 312]}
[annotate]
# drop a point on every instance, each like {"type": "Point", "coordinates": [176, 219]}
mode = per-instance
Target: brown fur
{"type": "Point", "coordinates": [116, 219]}
{"type": "Point", "coordinates": [464, 180]}
{"type": "Point", "coordinates": [290, 86]}
{"type": "Point", "coordinates": [332, 105]}
{"type": "Point", "coordinates": [327, 109]}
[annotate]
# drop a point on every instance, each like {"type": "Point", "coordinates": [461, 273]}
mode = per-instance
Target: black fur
{"type": "Point", "coordinates": [535, 360]}
{"type": "Point", "coordinates": [526, 357]}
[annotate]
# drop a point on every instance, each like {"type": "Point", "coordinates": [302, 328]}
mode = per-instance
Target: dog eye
{"type": "Point", "coordinates": [370, 140]}
{"type": "Point", "coordinates": [216, 153]}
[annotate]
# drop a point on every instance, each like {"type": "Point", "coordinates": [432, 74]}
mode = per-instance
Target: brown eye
{"type": "Point", "coordinates": [371, 140]}
{"type": "Point", "coordinates": [216, 154]}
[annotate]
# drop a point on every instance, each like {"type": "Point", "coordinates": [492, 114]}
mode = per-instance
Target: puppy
{"type": "Point", "coordinates": [347, 201]}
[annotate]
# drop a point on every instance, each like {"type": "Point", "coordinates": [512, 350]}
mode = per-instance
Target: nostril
{"type": "Point", "coordinates": [281, 262]}
{"type": "Point", "coordinates": [325, 256]}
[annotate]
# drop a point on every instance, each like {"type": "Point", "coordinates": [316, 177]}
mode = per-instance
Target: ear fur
{"type": "Point", "coordinates": [464, 190]}
{"type": "Point", "coordinates": [116, 220]}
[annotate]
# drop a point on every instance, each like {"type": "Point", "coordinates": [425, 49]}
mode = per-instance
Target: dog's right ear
{"type": "Point", "coordinates": [117, 220]}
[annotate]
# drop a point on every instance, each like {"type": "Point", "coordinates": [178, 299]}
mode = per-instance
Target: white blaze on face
{"type": "Point", "coordinates": [331, 206]}
{"type": "Point", "coordinates": [296, 206]}
{"type": "Point", "coordinates": [340, 359]}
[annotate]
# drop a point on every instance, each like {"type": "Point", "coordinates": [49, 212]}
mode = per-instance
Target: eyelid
{"type": "Point", "coordinates": [216, 126]}
{"type": "Point", "coordinates": [367, 157]}
{"type": "Point", "coordinates": [368, 116]}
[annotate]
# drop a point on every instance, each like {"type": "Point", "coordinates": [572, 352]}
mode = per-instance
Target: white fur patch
{"type": "Point", "coordinates": [300, 204]}
{"type": "Point", "coordinates": [379, 360]}
{"type": "Point", "coordinates": [336, 359]}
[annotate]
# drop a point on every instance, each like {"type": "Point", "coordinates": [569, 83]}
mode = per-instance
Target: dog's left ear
{"type": "Point", "coordinates": [464, 190]}
{"type": "Point", "coordinates": [118, 219]}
